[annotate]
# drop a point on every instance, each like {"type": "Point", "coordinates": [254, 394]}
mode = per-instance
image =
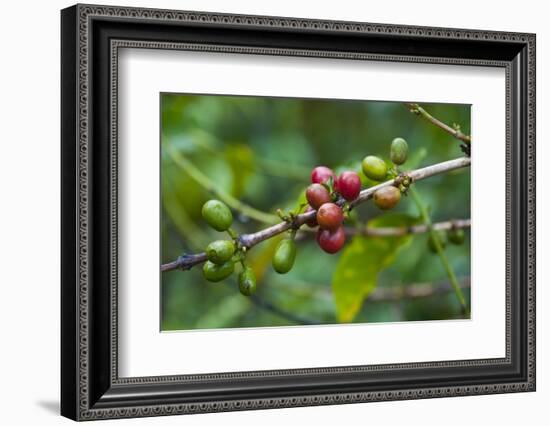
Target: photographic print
{"type": "Point", "coordinates": [320, 191]}
{"type": "Point", "coordinates": [296, 212]}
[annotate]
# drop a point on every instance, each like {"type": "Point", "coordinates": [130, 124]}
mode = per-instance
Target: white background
{"type": "Point", "coordinates": [146, 352]}
{"type": "Point", "coordinates": [29, 225]}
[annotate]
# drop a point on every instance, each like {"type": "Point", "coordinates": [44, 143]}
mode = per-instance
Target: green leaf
{"type": "Point", "coordinates": [356, 273]}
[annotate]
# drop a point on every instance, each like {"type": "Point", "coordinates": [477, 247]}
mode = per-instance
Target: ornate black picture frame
{"type": "Point", "coordinates": [91, 36]}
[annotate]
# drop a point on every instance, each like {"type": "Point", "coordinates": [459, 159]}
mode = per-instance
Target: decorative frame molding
{"type": "Point", "coordinates": [91, 388]}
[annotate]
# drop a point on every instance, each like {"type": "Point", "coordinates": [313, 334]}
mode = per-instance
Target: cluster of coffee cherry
{"type": "Point", "coordinates": [322, 196]}
{"type": "Point", "coordinates": [223, 254]}
{"type": "Point", "coordinates": [328, 195]}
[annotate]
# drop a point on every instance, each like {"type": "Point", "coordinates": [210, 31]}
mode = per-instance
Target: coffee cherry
{"type": "Point", "coordinates": [220, 251]}
{"type": "Point", "coordinates": [317, 195]}
{"type": "Point", "coordinates": [284, 256]}
{"type": "Point", "coordinates": [247, 281]}
{"type": "Point", "coordinates": [374, 168]}
{"type": "Point", "coordinates": [217, 214]}
{"type": "Point", "coordinates": [321, 174]}
{"type": "Point", "coordinates": [439, 236]}
{"type": "Point", "coordinates": [215, 273]}
{"type": "Point", "coordinates": [455, 236]}
{"type": "Point", "coordinates": [312, 223]}
{"type": "Point", "coordinates": [348, 185]}
{"type": "Point", "coordinates": [399, 151]}
{"type": "Point", "coordinates": [330, 216]}
{"type": "Point", "coordinates": [331, 241]}
{"type": "Point", "coordinates": [386, 198]}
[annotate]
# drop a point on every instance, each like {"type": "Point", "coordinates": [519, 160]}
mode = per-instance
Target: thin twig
{"type": "Point", "coordinates": [437, 243]}
{"type": "Point", "coordinates": [367, 231]}
{"type": "Point", "coordinates": [414, 291]}
{"type": "Point", "coordinates": [391, 231]}
{"type": "Point", "coordinates": [455, 132]}
{"type": "Point", "coordinates": [186, 261]}
{"type": "Point", "coordinates": [398, 231]}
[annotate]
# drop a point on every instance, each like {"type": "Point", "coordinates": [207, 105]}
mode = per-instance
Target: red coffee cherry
{"type": "Point", "coordinates": [348, 184]}
{"type": "Point", "coordinates": [321, 174]}
{"type": "Point", "coordinates": [312, 223]}
{"type": "Point", "coordinates": [331, 241]}
{"type": "Point", "coordinates": [330, 216]}
{"type": "Point", "coordinates": [317, 195]}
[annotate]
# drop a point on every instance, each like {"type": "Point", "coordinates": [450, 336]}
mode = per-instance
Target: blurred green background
{"type": "Point", "coordinates": [261, 151]}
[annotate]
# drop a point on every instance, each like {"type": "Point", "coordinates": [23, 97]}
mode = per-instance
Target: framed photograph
{"type": "Point", "coordinates": [263, 212]}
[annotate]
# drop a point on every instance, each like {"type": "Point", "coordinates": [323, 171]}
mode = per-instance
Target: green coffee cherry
{"type": "Point", "coordinates": [440, 236]}
{"type": "Point", "coordinates": [247, 281]}
{"type": "Point", "coordinates": [284, 256]}
{"type": "Point", "coordinates": [215, 273]}
{"type": "Point", "coordinates": [399, 151]}
{"type": "Point", "coordinates": [220, 251]}
{"type": "Point", "coordinates": [217, 214]}
{"type": "Point", "coordinates": [374, 168]}
{"type": "Point", "coordinates": [455, 236]}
